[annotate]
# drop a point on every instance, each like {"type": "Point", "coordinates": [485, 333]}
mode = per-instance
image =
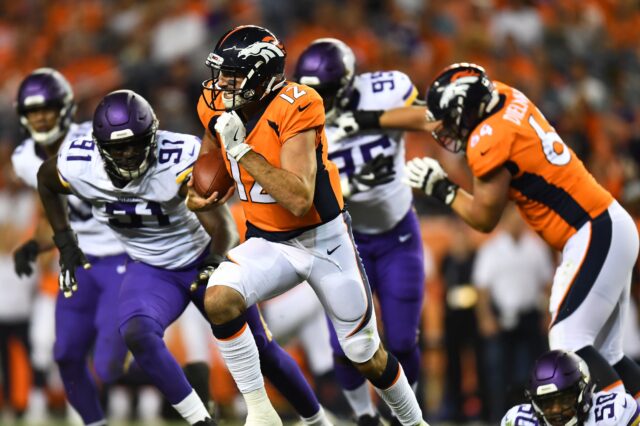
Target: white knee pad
{"type": "Point", "coordinates": [363, 345]}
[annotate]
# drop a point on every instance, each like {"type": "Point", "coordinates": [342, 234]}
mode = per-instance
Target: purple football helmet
{"type": "Point", "coordinates": [46, 88]}
{"type": "Point", "coordinates": [560, 389]}
{"type": "Point", "coordinates": [328, 65]}
{"type": "Point", "coordinates": [124, 129]}
{"type": "Point", "coordinates": [461, 96]}
{"type": "Point", "coordinates": [250, 59]}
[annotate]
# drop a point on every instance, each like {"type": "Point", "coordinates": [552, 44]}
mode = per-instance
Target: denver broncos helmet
{"type": "Point", "coordinates": [560, 389]}
{"type": "Point", "coordinates": [461, 96]}
{"type": "Point", "coordinates": [246, 65]}
{"type": "Point", "coordinates": [328, 65]}
{"type": "Point", "coordinates": [124, 129]}
{"type": "Point", "coordinates": [46, 88]}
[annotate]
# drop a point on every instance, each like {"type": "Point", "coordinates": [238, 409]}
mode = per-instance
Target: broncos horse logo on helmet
{"type": "Point", "coordinates": [246, 65]}
{"type": "Point", "coordinates": [461, 97]}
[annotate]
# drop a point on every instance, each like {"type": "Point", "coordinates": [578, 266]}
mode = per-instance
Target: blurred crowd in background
{"type": "Point", "coordinates": [578, 60]}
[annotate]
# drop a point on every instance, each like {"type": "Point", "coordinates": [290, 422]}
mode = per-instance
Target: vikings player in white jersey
{"type": "Point", "coordinates": [366, 116]}
{"type": "Point", "coordinates": [135, 178]}
{"type": "Point", "coordinates": [46, 105]}
{"type": "Point", "coordinates": [560, 393]}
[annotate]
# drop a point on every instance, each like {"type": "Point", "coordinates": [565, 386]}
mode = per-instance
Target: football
{"type": "Point", "coordinates": [210, 174]}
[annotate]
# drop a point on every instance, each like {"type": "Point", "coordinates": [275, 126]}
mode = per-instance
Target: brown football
{"type": "Point", "coordinates": [210, 174]}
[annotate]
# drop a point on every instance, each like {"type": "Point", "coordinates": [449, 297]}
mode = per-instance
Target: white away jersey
{"type": "Point", "coordinates": [607, 409]}
{"type": "Point", "coordinates": [94, 238]}
{"type": "Point", "coordinates": [381, 208]}
{"type": "Point", "coordinates": [148, 215]}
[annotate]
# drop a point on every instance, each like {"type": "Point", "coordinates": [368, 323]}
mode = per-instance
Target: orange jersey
{"type": "Point", "coordinates": [553, 190]}
{"type": "Point", "coordinates": [291, 110]}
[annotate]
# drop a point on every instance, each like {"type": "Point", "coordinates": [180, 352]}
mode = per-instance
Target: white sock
{"type": "Point", "coordinates": [240, 353]}
{"type": "Point", "coordinates": [360, 400]}
{"type": "Point", "coordinates": [191, 408]}
{"type": "Point", "coordinates": [402, 401]}
{"type": "Point", "coordinates": [319, 419]}
{"type": "Point", "coordinates": [259, 409]}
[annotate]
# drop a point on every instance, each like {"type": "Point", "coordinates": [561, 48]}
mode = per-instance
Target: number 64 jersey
{"type": "Point", "coordinates": [147, 215]}
{"type": "Point", "coordinates": [607, 409]}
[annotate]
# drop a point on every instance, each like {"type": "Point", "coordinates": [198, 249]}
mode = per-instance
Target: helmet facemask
{"type": "Point", "coordinates": [128, 157]}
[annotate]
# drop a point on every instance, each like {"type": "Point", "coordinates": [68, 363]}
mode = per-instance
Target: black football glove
{"type": "Point", "coordinates": [71, 257]}
{"type": "Point", "coordinates": [209, 265]}
{"type": "Point", "coordinates": [24, 256]}
{"type": "Point", "coordinates": [376, 172]}
{"type": "Point", "coordinates": [349, 123]}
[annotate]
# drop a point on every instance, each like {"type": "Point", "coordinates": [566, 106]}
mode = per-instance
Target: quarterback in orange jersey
{"type": "Point", "coordinates": [514, 153]}
{"type": "Point", "coordinates": [272, 135]}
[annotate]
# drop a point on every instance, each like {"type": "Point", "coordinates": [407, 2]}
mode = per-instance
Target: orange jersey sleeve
{"type": "Point", "coordinates": [204, 112]}
{"type": "Point", "coordinates": [550, 185]}
{"type": "Point", "coordinates": [291, 110]}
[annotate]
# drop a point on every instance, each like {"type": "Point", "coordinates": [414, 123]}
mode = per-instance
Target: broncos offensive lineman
{"type": "Point", "coordinates": [46, 106]}
{"type": "Point", "coordinates": [272, 134]}
{"type": "Point", "coordinates": [561, 393]}
{"type": "Point", "coordinates": [368, 149]}
{"type": "Point", "coordinates": [514, 153]}
{"type": "Point", "coordinates": [134, 177]}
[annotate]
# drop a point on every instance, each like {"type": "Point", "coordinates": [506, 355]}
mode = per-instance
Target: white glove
{"type": "Point", "coordinates": [427, 175]}
{"type": "Point", "coordinates": [232, 134]}
{"type": "Point", "coordinates": [346, 126]}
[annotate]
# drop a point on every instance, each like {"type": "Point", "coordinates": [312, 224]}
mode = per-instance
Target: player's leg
{"type": "Point", "coordinates": [258, 270]}
{"type": "Point", "coordinates": [151, 299]}
{"type": "Point", "coordinates": [587, 288]}
{"type": "Point", "coordinates": [341, 285]}
{"type": "Point", "coordinates": [400, 289]}
{"type": "Point", "coordinates": [284, 373]}
{"type": "Point", "coordinates": [354, 385]}
{"type": "Point", "coordinates": [618, 267]}
{"type": "Point", "coordinates": [110, 350]}
{"type": "Point", "coordinates": [75, 334]}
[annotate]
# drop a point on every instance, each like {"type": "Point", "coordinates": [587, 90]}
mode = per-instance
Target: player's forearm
{"type": "Point", "coordinates": [220, 225]}
{"type": "Point", "coordinates": [287, 188]}
{"type": "Point", "coordinates": [473, 214]}
{"type": "Point", "coordinates": [411, 118]}
{"type": "Point", "coordinates": [53, 200]}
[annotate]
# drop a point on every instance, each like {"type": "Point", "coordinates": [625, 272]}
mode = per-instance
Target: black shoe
{"type": "Point", "coordinates": [206, 422]}
{"type": "Point", "coordinates": [368, 420]}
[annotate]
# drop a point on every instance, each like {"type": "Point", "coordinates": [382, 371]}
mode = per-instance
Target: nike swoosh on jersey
{"type": "Point", "coordinates": [302, 108]}
{"type": "Point", "coordinates": [330, 252]}
{"type": "Point", "coordinates": [405, 237]}
{"type": "Point", "coordinates": [235, 137]}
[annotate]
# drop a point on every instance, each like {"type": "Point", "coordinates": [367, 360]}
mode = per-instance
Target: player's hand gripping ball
{"type": "Point", "coordinates": [210, 175]}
